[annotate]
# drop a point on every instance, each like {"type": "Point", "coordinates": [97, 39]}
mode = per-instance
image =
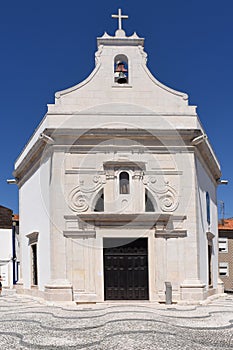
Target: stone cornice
{"type": "Point", "coordinates": [122, 40]}
{"type": "Point", "coordinates": [138, 220]}
{"type": "Point", "coordinates": [169, 138]}
{"type": "Point", "coordinates": [124, 163]}
{"type": "Point", "coordinates": [79, 233]}
{"type": "Point", "coordinates": [170, 233]}
{"type": "Point", "coordinates": [160, 223]}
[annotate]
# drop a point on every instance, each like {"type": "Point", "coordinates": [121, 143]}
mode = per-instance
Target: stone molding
{"type": "Point", "coordinates": [58, 290]}
{"type": "Point", "coordinates": [170, 233]}
{"type": "Point", "coordinates": [124, 164]}
{"type": "Point", "coordinates": [117, 220]}
{"type": "Point", "coordinates": [108, 40]}
{"type": "Point", "coordinates": [4, 262]}
{"type": "Point", "coordinates": [79, 234]}
{"type": "Point", "coordinates": [32, 237]}
{"type": "Point", "coordinates": [210, 236]}
{"type": "Point", "coordinates": [193, 290]}
{"type": "Point", "coordinates": [164, 224]}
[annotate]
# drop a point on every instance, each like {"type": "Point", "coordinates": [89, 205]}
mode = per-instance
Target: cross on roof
{"type": "Point", "coordinates": [120, 17]}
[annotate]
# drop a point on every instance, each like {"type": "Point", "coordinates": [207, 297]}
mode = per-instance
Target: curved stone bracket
{"type": "Point", "coordinates": [80, 197]}
{"type": "Point", "coordinates": [165, 195]}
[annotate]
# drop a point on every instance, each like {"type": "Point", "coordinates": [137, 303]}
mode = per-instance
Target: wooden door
{"type": "Point", "coordinates": [126, 270]}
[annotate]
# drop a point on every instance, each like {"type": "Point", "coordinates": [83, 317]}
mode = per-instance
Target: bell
{"type": "Point", "coordinates": [122, 79]}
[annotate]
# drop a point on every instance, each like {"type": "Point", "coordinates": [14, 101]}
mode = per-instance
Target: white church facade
{"type": "Point", "coordinates": [117, 189]}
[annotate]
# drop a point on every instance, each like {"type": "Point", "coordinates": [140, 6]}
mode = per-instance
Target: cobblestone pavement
{"type": "Point", "coordinates": [29, 323]}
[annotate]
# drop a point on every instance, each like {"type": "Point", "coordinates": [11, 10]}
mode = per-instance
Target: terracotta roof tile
{"type": "Point", "coordinates": [226, 224]}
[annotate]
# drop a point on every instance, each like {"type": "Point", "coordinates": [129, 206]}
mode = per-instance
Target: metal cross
{"type": "Point", "coordinates": [120, 17]}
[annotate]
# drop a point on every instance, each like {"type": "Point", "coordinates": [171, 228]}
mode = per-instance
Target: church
{"type": "Point", "coordinates": [117, 189]}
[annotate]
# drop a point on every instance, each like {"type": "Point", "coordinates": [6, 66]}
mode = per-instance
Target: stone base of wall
{"type": "Point", "coordinates": [62, 291]}
{"type": "Point", "coordinates": [193, 291]}
{"type": "Point", "coordinates": [19, 288]}
{"type": "Point", "coordinates": [80, 297]}
{"type": "Point", "coordinates": [58, 290]}
{"type": "Point", "coordinates": [211, 292]}
{"type": "Point", "coordinates": [34, 291]}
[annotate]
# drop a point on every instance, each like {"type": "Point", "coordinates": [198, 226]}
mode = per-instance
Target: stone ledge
{"type": "Point", "coordinates": [80, 234]}
{"type": "Point", "coordinates": [171, 234]}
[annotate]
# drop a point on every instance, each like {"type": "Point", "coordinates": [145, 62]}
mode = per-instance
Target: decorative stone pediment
{"type": "Point", "coordinates": [80, 234]}
{"type": "Point", "coordinates": [124, 163]}
{"type": "Point", "coordinates": [210, 236]}
{"type": "Point", "coordinates": [32, 237]}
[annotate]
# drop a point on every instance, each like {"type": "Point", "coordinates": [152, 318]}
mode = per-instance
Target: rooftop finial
{"type": "Point", "coordinates": [120, 17]}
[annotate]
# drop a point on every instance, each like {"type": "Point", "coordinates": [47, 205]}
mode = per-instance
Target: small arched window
{"type": "Point", "coordinates": [121, 69]}
{"type": "Point", "coordinates": [148, 203]}
{"type": "Point", "coordinates": [124, 182]}
{"type": "Point", "coordinates": [208, 207]}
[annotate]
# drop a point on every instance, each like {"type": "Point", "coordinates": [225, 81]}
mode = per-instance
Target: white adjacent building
{"type": "Point", "coordinates": [9, 247]}
{"type": "Point", "coordinates": [117, 189]}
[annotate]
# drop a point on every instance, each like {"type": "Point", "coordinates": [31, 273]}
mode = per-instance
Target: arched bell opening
{"type": "Point", "coordinates": [99, 202]}
{"type": "Point", "coordinates": [121, 69]}
{"type": "Point", "coordinates": [124, 183]}
{"type": "Point", "coordinates": [149, 202]}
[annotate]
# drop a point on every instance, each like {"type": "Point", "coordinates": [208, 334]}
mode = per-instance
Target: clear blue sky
{"type": "Point", "coordinates": [47, 46]}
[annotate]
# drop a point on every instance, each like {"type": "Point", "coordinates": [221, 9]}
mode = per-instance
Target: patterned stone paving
{"type": "Point", "coordinates": [29, 323]}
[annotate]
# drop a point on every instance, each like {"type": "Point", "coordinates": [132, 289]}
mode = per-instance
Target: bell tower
{"type": "Point", "coordinates": [123, 50]}
{"type": "Point", "coordinates": [120, 63]}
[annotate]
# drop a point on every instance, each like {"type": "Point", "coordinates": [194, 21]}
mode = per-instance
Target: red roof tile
{"type": "Point", "coordinates": [226, 224]}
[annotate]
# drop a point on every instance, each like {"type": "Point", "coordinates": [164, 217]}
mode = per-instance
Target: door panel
{"type": "Point", "coordinates": [126, 270]}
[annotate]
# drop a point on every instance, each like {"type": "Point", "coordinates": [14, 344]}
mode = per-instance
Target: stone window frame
{"type": "Point", "coordinates": [115, 167]}
{"type": "Point", "coordinates": [208, 215]}
{"type": "Point", "coordinates": [121, 192]}
{"type": "Point", "coordinates": [33, 241]}
{"type": "Point", "coordinates": [210, 236]}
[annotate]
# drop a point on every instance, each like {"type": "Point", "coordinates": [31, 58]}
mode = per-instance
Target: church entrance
{"type": "Point", "coordinates": [126, 269]}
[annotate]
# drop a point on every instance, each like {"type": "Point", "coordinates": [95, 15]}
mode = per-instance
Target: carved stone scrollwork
{"type": "Point", "coordinates": [98, 54]}
{"type": "Point", "coordinates": [77, 201]}
{"type": "Point", "coordinates": [143, 53]}
{"type": "Point", "coordinates": [168, 202]}
{"type": "Point", "coordinates": [166, 195]}
{"type": "Point", "coordinates": [79, 198]}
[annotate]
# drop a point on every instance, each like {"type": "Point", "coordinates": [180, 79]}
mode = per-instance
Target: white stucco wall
{"type": "Point", "coordinates": [206, 184]}
{"type": "Point", "coordinates": [35, 217]}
